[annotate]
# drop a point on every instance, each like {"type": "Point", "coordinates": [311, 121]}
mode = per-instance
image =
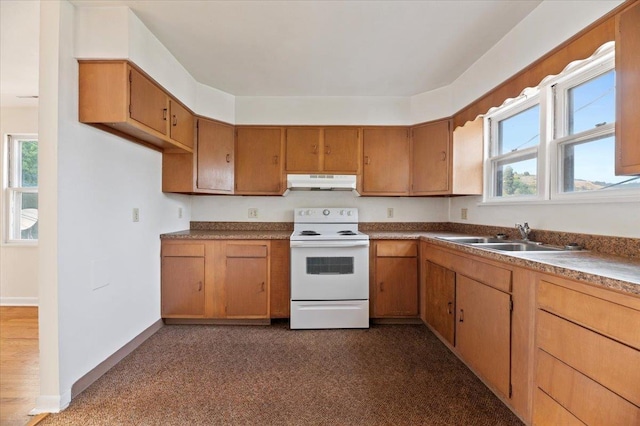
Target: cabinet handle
{"type": "Point", "coordinates": [381, 286]}
{"type": "Point", "coordinates": [164, 114]}
{"type": "Point", "coordinates": [443, 155]}
{"type": "Point", "coordinates": [228, 158]}
{"type": "Point", "coordinates": [262, 288]}
{"type": "Point", "coordinates": [449, 305]}
{"type": "Point", "coordinates": [315, 149]}
{"type": "Point", "coordinates": [367, 160]}
{"type": "Point", "coordinates": [461, 315]}
{"type": "Point", "coordinates": [199, 285]}
{"type": "Point", "coordinates": [175, 120]}
{"type": "Point", "coordinates": [275, 159]}
{"type": "Point", "coordinates": [327, 149]}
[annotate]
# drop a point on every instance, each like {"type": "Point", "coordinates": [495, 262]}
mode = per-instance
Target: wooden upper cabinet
{"type": "Point", "coordinates": [431, 158]}
{"type": "Point", "coordinates": [258, 163]}
{"type": "Point", "coordinates": [385, 161]}
{"type": "Point", "coordinates": [214, 161]}
{"type": "Point", "coordinates": [628, 91]}
{"type": "Point", "coordinates": [303, 149]}
{"type": "Point", "coordinates": [148, 104]}
{"type": "Point", "coordinates": [182, 123]}
{"type": "Point", "coordinates": [327, 150]}
{"type": "Point", "coordinates": [119, 98]}
{"type": "Point", "coordinates": [342, 150]}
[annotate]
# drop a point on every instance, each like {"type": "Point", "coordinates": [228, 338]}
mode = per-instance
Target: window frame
{"type": "Point", "coordinates": [11, 218]}
{"type": "Point", "coordinates": [554, 120]}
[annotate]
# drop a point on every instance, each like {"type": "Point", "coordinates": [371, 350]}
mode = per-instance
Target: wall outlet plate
{"type": "Point", "coordinates": [136, 214]}
{"type": "Point", "coordinates": [389, 212]}
{"type": "Point", "coordinates": [253, 213]}
{"type": "Point", "coordinates": [463, 213]}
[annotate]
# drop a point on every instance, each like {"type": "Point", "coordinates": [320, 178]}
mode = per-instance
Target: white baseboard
{"type": "Point", "coordinates": [18, 301]}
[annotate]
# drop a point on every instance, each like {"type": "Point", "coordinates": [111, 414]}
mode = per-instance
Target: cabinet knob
{"type": "Point", "coordinates": [443, 155]}
{"type": "Point", "coordinates": [461, 315]}
{"type": "Point", "coordinates": [175, 120]}
{"type": "Point", "coordinates": [164, 114]}
{"type": "Point", "coordinates": [199, 285]}
{"type": "Point", "coordinates": [228, 158]}
{"type": "Point", "coordinates": [315, 149]}
{"type": "Point", "coordinates": [275, 159]}
{"type": "Point", "coordinates": [449, 306]}
{"type": "Point", "coordinates": [381, 286]}
{"type": "Point", "coordinates": [367, 160]}
{"type": "Point", "coordinates": [327, 149]}
{"type": "Point", "coordinates": [262, 287]}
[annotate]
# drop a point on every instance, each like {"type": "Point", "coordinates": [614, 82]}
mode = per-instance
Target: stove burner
{"type": "Point", "coordinates": [346, 233]}
{"type": "Point", "coordinates": [309, 233]}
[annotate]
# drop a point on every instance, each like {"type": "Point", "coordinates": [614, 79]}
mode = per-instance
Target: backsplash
{"type": "Point", "coordinates": [618, 246]}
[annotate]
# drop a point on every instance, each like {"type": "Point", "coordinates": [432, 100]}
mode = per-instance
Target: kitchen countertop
{"type": "Point", "coordinates": [615, 272]}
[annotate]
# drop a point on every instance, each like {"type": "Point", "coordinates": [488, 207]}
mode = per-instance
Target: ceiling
{"type": "Point", "coordinates": [296, 48]}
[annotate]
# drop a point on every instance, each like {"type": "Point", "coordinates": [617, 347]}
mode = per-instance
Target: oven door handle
{"type": "Point", "coordinates": [329, 244]}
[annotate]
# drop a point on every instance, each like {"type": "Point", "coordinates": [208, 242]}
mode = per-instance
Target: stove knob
{"type": "Point", "coordinates": [308, 212]}
{"type": "Point", "coordinates": [341, 212]}
{"type": "Point", "coordinates": [349, 213]}
{"type": "Point", "coordinates": [301, 213]}
{"type": "Point", "coordinates": [326, 212]}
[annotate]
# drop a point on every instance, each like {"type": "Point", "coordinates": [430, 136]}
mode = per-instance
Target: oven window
{"type": "Point", "coordinates": [329, 265]}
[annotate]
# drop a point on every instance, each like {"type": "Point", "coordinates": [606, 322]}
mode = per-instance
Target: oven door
{"type": "Point", "coordinates": [330, 270]}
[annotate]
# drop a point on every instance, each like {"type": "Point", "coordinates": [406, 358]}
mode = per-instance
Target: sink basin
{"type": "Point", "coordinates": [474, 240]}
{"type": "Point", "coordinates": [513, 246]}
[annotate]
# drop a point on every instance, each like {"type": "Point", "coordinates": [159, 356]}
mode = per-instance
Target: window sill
{"type": "Point", "coordinates": [564, 201]}
{"type": "Point", "coordinates": [19, 244]}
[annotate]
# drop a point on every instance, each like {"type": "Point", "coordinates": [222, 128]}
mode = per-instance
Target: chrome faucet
{"type": "Point", "coordinates": [524, 230]}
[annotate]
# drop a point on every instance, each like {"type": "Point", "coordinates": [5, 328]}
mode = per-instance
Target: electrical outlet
{"type": "Point", "coordinates": [463, 214]}
{"type": "Point", "coordinates": [179, 212]}
{"type": "Point", "coordinates": [136, 214]}
{"type": "Point", "coordinates": [389, 212]}
{"type": "Point", "coordinates": [253, 213]}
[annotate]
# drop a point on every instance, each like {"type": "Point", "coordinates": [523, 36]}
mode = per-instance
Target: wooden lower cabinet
{"type": "Point", "coordinates": [394, 283]}
{"type": "Point", "coordinates": [182, 281]}
{"type": "Point", "coordinates": [587, 354]}
{"type": "Point", "coordinates": [221, 279]}
{"type": "Point", "coordinates": [440, 300]}
{"type": "Point", "coordinates": [483, 331]}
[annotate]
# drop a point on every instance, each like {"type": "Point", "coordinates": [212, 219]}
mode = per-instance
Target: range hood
{"type": "Point", "coordinates": [321, 182]}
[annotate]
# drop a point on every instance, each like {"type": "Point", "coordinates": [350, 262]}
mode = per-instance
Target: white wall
{"type": "Point", "coordinates": [280, 209]}
{"type": "Point", "coordinates": [103, 270]}
{"type": "Point", "coordinates": [18, 263]}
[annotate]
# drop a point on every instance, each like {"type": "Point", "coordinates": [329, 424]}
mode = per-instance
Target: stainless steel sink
{"type": "Point", "coordinates": [515, 246]}
{"type": "Point", "coordinates": [474, 240]}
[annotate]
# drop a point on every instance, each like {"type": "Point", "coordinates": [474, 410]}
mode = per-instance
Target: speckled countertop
{"type": "Point", "coordinates": [615, 272]}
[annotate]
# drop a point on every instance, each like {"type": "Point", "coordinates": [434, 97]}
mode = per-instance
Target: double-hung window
{"type": "Point", "coordinates": [22, 188]}
{"type": "Point", "coordinates": [557, 141]}
{"type": "Point", "coordinates": [512, 160]}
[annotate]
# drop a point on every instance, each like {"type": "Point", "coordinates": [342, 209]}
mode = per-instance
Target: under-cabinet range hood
{"type": "Point", "coordinates": [321, 182]}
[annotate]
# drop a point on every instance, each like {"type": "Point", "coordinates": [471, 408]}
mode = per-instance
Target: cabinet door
{"type": "Point", "coordinates": [215, 156]}
{"type": "Point", "coordinates": [341, 150]}
{"type": "Point", "coordinates": [396, 287]}
{"type": "Point", "coordinates": [303, 150]}
{"type": "Point", "coordinates": [182, 123]}
{"type": "Point", "coordinates": [430, 156]}
{"type": "Point", "coordinates": [279, 290]}
{"type": "Point", "coordinates": [246, 287]}
{"type": "Point", "coordinates": [440, 300]}
{"type": "Point", "coordinates": [386, 161]}
{"type": "Point", "coordinates": [182, 289]}
{"type": "Point", "coordinates": [628, 91]}
{"type": "Point", "coordinates": [258, 164]}
{"type": "Point", "coordinates": [483, 331]}
{"type": "Point", "coordinates": [148, 103]}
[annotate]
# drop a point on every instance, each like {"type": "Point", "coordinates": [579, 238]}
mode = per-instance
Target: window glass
{"type": "Point", "coordinates": [28, 163]}
{"type": "Point", "coordinates": [589, 166]}
{"type": "Point", "coordinates": [516, 178]}
{"type": "Point", "coordinates": [22, 188]}
{"type": "Point", "coordinates": [592, 103]}
{"type": "Point", "coordinates": [519, 131]}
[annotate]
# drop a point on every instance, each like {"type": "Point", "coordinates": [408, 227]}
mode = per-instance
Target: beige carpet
{"type": "Point", "coordinates": [244, 375]}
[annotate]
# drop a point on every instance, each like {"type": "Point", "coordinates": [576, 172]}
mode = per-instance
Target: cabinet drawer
{"type": "Point", "coordinates": [397, 249]}
{"type": "Point", "coordinates": [606, 361]}
{"type": "Point", "coordinates": [576, 392]}
{"type": "Point", "coordinates": [183, 250]}
{"type": "Point", "coordinates": [548, 412]}
{"type": "Point", "coordinates": [608, 318]}
{"type": "Point", "coordinates": [246, 250]}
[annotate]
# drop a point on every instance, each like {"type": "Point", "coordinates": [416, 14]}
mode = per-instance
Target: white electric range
{"type": "Point", "coordinates": [329, 270]}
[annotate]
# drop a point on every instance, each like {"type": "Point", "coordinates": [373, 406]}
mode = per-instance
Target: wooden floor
{"type": "Point", "coordinates": [19, 379]}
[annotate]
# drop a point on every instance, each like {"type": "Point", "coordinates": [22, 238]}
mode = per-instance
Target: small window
{"type": "Point", "coordinates": [513, 151]}
{"type": "Point", "coordinates": [22, 188]}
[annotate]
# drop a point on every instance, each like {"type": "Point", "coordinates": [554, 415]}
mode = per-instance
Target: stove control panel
{"type": "Point", "coordinates": [328, 215]}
